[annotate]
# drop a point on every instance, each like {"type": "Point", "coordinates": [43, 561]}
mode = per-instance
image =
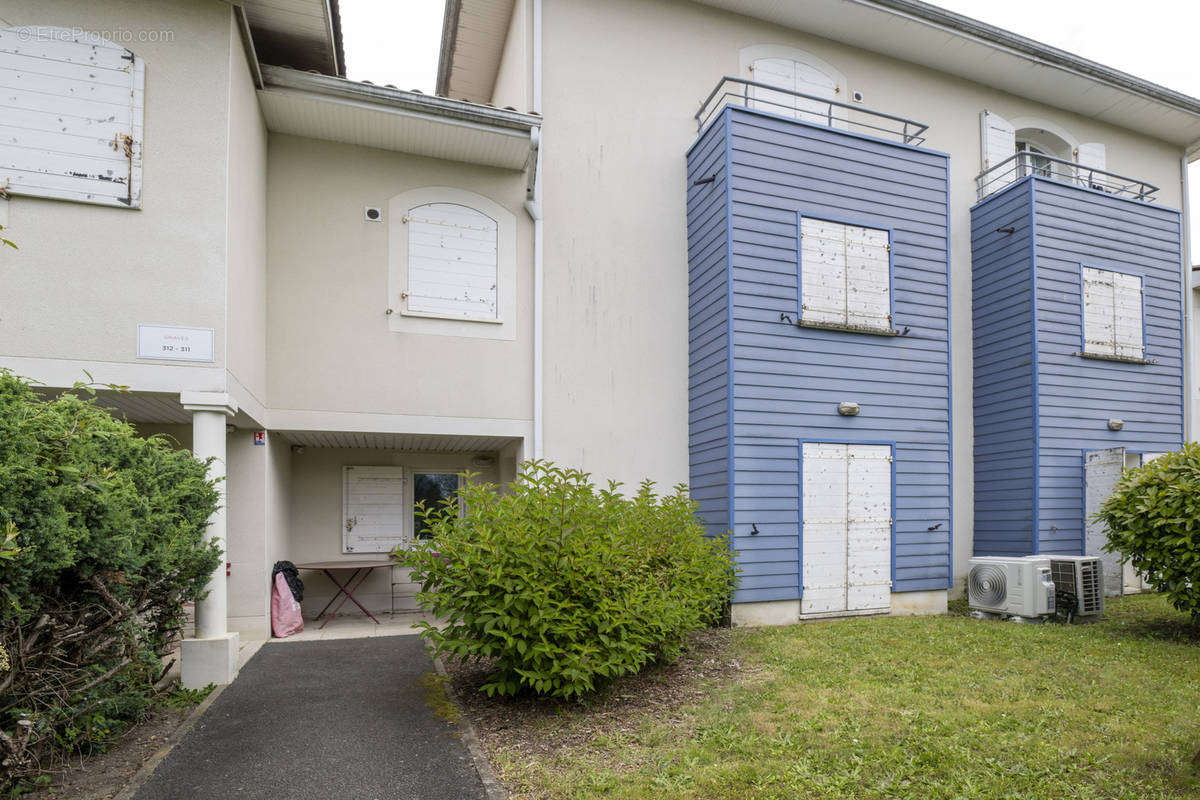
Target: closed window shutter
{"type": "Point", "coordinates": [71, 108]}
{"type": "Point", "coordinates": [1090, 156]}
{"type": "Point", "coordinates": [794, 76]}
{"type": "Point", "coordinates": [1112, 314]}
{"type": "Point", "coordinates": [998, 141]}
{"type": "Point", "coordinates": [845, 275]}
{"type": "Point", "coordinates": [1127, 316]}
{"type": "Point", "coordinates": [451, 262]}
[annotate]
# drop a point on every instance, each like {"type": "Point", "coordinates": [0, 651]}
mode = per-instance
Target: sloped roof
{"type": "Point", "coordinates": [303, 34]}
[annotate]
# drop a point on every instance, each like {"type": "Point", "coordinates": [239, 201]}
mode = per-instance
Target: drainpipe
{"type": "Point", "coordinates": [533, 205]}
{"type": "Point", "coordinates": [1189, 373]}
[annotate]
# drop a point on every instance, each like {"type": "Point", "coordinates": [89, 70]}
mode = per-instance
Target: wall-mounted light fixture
{"type": "Point", "coordinates": [482, 461]}
{"type": "Point", "coordinates": [1115, 424]}
{"type": "Point", "coordinates": [298, 449]}
{"type": "Point", "coordinates": [848, 409]}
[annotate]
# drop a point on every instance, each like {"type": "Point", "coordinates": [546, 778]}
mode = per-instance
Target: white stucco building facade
{"type": "Point", "coordinates": [293, 226]}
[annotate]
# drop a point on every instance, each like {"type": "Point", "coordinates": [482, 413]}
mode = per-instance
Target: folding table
{"type": "Point", "coordinates": [357, 569]}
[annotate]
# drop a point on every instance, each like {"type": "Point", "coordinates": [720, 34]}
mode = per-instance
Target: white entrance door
{"type": "Point", "coordinates": [374, 510]}
{"type": "Point", "coordinates": [847, 528]}
{"type": "Point", "coordinates": [1101, 470]}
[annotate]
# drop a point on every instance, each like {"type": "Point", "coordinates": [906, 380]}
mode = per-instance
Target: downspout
{"type": "Point", "coordinates": [533, 205]}
{"type": "Point", "coordinates": [1190, 394]}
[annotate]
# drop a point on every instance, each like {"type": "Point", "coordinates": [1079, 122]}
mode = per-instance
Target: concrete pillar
{"type": "Point", "coordinates": [211, 657]}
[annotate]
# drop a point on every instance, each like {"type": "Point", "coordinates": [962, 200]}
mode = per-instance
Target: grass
{"type": "Point", "coordinates": [906, 707]}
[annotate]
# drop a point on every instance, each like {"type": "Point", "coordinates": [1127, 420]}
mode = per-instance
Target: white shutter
{"type": "Point", "coordinates": [845, 275]}
{"type": "Point", "coordinates": [847, 529]}
{"type": "Point", "coordinates": [822, 272]}
{"type": "Point", "coordinates": [779, 72]}
{"type": "Point", "coordinates": [794, 76]}
{"type": "Point", "coordinates": [451, 262]}
{"type": "Point", "coordinates": [868, 293]}
{"type": "Point", "coordinates": [1090, 156]}
{"type": "Point", "coordinates": [998, 143]}
{"type": "Point", "coordinates": [1127, 315]}
{"type": "Point", "coordinates": [823, 564]}
{"type": "Point", "coordinates": [1099, 309]}
{"type": "Point", "coordinates": [1112, 314]}
{"type": "Point", "coordinates": [869, 528]}
{"type": "Point", "coordinates": [374, 510]}
{"type": "Point", "coordinates": [1102, 469]}
{"type": "Point", "coordinates": [71, 108]}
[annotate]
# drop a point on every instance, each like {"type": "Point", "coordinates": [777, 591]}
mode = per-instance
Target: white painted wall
{"type": "Point", "coordinates": [622, 80]}
{"type": "Point", "coordinates": [328, 334]}
{"type": "Point", "coordinates": [86, 275]}
{"type": "Point", "coordinates": [514, 76]}
{"type": "Point", "coordinates": [246, 226]}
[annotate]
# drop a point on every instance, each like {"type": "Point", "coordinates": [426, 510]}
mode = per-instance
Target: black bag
{"type": "Point", "coordinates": [292, 576]}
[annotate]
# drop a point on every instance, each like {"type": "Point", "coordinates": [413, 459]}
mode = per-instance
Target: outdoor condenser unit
{"type": "Point", "coordinates": [1018, 587]}
{"type": "Point", "coordinates": [1078, 584]}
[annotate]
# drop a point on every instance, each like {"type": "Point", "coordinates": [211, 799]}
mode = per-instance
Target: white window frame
{"type": "Point", "coordinates": [1117, 348]}
{"type": "Point", "coordinates": [402, 320]}
{"type": "Point", "coordinates": [410, 490]}
{"type": "Point", "coordinates": [830, 267]}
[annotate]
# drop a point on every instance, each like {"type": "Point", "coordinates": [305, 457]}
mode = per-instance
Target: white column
{"type": "Point", "coordinates": [211, 657]}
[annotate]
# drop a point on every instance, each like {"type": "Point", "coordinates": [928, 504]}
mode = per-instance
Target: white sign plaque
{"type": "Point", "coordinates": [174, 343]}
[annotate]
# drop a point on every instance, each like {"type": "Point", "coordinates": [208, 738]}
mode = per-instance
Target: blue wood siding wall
{"type": "Point", "coordinates": [1002, 315]}
{"type": "Point", "coordinates": [708, 331]}
{"type": "Point", "coordinates": [787, 381]}
{"type": "Point", "coordinates": [1077, 396]}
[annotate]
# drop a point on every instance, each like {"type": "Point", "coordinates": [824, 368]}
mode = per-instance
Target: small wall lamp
{"type": "Point", "coordinates": [848, 409]}
{"type": "Point", "coordinates": [1115, 424]}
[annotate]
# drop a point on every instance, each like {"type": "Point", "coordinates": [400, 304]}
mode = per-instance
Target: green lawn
{"type": "Point", "coordinates": [900, 707]}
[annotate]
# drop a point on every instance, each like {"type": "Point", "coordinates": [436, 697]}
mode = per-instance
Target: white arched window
{"type": "Point", "coordinates": [1038, 141]}
{"type": "Point", "coordinates": [794, 72]}
{"type": "Point", "coordinates": [452, 264]}
{"type": "Point", "coordinates": [70, 116]}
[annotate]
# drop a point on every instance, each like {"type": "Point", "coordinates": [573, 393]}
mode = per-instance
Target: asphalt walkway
{"type": "Point", "coordinates": [349, 718]}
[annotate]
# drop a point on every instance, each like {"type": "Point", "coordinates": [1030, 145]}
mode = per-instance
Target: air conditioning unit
{"type": "Point", "coordinates": [1078, 584]}
{"type": "Point", "coordinates": [1017, 587]}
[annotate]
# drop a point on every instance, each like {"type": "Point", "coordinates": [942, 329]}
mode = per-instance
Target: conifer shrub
{"type": "Point", "coordinates": [566, 586]}
{"type": "Point", "coordinates": [1153, 518]}
{"type": "Point", "coordinates": [104, 538]}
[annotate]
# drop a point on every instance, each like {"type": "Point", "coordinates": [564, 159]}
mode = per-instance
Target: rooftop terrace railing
{"type": "Point", "coordinates": [807, 108]}
{"type": "Point", "coordinates": [1024, 164]}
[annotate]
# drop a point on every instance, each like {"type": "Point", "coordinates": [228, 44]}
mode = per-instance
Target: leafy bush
{"type": "Point", "coordinates": [1153, 518]}
{"type": "Point", "coordinates": [110, 529]}
{"type": "Point", "coordinates": [565, 585]}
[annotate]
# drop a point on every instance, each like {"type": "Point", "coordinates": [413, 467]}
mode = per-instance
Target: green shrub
{"type": "Point", "coordinates": [566, 585]}
{"type": "Point", "coordinates": [1153, 518]}
{"type": "Point", "coordinates": [111, 535]}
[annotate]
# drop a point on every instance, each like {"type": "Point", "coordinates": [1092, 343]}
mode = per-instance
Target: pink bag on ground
{"type": "Point", "coordinates": [285, 611]}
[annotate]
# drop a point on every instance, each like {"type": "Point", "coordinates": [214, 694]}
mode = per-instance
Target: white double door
{"type": "Point", "coordinates": [846, 538]}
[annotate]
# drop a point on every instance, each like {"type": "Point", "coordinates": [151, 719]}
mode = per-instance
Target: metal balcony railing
{"type": "Point", "coordinates": [1025, 164]}
{"type": "Point", "coordinates": [807, 108]}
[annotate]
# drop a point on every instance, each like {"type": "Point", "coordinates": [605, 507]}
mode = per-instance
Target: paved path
{"type": "Point", "coordinates": [349, 718]}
